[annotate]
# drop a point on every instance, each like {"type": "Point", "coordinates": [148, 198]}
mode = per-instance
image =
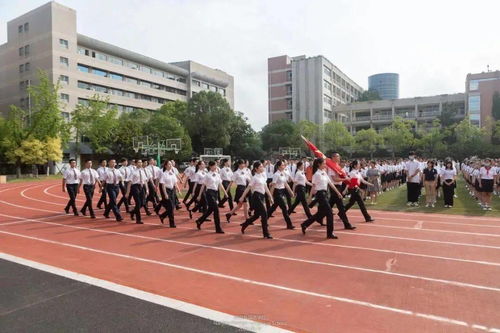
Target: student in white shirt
{"type": "Point", "coordinates": [101, 171]}
{"type": "Point", "coordinates": [126, 173]}
{"type": "Point", "coordinates": [88, 178]}
{"type": "Point", "coordinates": [198, 197]}
{"type": "Point", "coordinates": [259, 189]}
{"type": "Point", "coordinates": [279, 186]}
{"type": "Point", "coordinates": [71, 179]}
{"type": "Point", "coordinates": [299, 187]}
{"type": "Point", "coordinates": [241, 178]}
{"type": "Point", "coordinates": [189, 175]}
{"type": "Point", "coordinates": [212, 183]}
{"type": "Point", "coordinates": [226, 174]}
{"type": "Point", "coordinates": [138, 188]}
{"type": "Point", "coordinates": [486, 183]}
{"type": "Point", "coordinates": [413, 172]}
{"type": "Point", "coordinates": [354, 189]}
{"type": "Point", "coordinates": [320, 184]}
{"type": "Point", "coordinates": [154, 173]}
{"type": "Point", "coordinates": [168, 189]}
{"type": "Point", "coordinates": [448, 178]}
{"type": "Point", "coordinates": [112, 177]}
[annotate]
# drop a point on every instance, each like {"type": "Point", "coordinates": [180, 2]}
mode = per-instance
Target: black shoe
{"type": "Point", "coordinates": [234, 214]}
{"type": "Point", "coordinates": [139, 222]}
{"type": "Point", "coordinates": [157, 209]}
{"type": "Point", "coordinates": [148, 213]}
{"type": "Point", "coordinates": [290, 227]}
{"type": "Point", "coordinates": [161, 220]}
{"type": "Point", "coordinates": [219, 232]}
{"type": "Point", "coordinates": [119, 219]}
{"type": "Point", "coordinates": [99, 207]}
{"type": "Point", "coordinates": [332, 237]}
{"type": "Point", "coordinates": [198, 225]}
{"type": "Point", "coordinates": [66, 211]}
{"type": "Point", "coordinates": [350, 227]}
{"type": "Point", "coordinates": [190, 214]}
{"type": "Point", "coordinates": [106, 216]}
{"type": "Point", "coordinates": [221, 206]}
{"type": "Point", "coordinates": [293, 212]}
{"type": "Point", "coordinates": [228, 217]}
{"type": "Point", "coordinates": [268, 237]}
{"type": "Point", "coordinates": [92, 216]}
{"type": "Point", "coordinates": [172, 225]}
{"type": "Point", "coordinates": [178, 207]}
{"type": "Point", "coordinates": [243, 227]}
{"type": "Point", "coordinates": [75, 213]}
{"type": "Point", "coordinates": [271, 216]}
{"type": "Point", "coordinates": [84, 213]}
{"type": "Point", "coordinates": [303, 228]}
{"type": "Point", "coordinates": [208, 219]}
{"type": "Point", "coordinates": [132, 217]}
{"type": "Point", "coordinates": [370, 221]}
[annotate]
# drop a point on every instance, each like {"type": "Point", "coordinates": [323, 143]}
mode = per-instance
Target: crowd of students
{"type": "Point", "coordinates": [263, 187]}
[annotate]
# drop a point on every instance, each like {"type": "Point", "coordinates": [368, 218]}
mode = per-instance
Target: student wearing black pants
{"type": "Point", "coordinates": [137, 187]}
{"type": "Point", "coordinates": [226, 174]}
{"type": "Point", "coordinates": [71, 179]}
{"type": "Point", "coordinates": [189, 175]}
{"type": "Point", "coordinates": [88, 178]}
{"type": "Point", "coordinates": [448, 175]}
{"type": "Point", "coordinates": [241, 178]}
{"type": "Point", "coordinates": [125, 171]}
{"type": "Point", "coordinates": [198, 198]}
{"type": "Point", "coordinates": [112, 178]}
{"type": "Point", "coordinates": [212, 183]}
{"type": "Point", "coordinates": [279, 186]}
{"type": "Point", "coordinates": [299, 187]}
{"type": "Point", "coordinates": [168, 188]}
{"type": "Point", "coordinates": [354, 191]}
{"type": "Point", "coordinates": [259, 190]}
{"type": "Point", "coordinates": [320, 183]}
{"type": "Point", "coordinates": [102, 171]}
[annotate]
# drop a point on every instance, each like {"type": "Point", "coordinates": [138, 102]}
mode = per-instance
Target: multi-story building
{"type": "Point", "coordinates": [479, 90]}
{"type": "Point", "coordinates": [302, 88]}
{"type": "Point", "coordinates": [46, 38]}
{"type": "Point", "coordinates": [381, 113]}
{"type": "Point", "coordinates": [386, 84]}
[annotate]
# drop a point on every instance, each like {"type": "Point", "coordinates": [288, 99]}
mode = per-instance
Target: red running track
{"type": "Point", "coordinates": [405, 273]}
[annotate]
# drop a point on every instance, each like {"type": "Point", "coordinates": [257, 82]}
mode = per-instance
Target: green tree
{"type": "Point", "coordinates": [335, 137]}
{"type": "Point", "coordinates": [368, 95]}
{"type": "Point", "coordinates": [309, 130]}
{"type": "Point", "coordinates": [449, 114]}
{"type": "Point", "coordinates": [496, 106]}
{"type": "Point", "coordinates": [495, 139]}
{"type": "Point", "coordinates": [42, 121]}
{"type": "Point", "coordinates": [367, 140]}
{"type": "Point", "coordinates": [177, 110]}
{"type": "Point", "coordinates": [399, 136]}
{"type": "Point", "coordinates": [245, 142]}
{"type": "Point", "coordinates": [96, 121]}
{"type": "Point", "coordinates": [469, 140]}
{"type": "Point", "coordinates": [431, 141]}
{"type": "Point", "coordinates": [130, 125]}
{"type": "Point", "coordinates": [280, 133]}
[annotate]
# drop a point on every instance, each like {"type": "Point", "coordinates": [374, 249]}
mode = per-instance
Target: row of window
{"type": "Point", "coordinates": [119, 77]}
{"type": "Point", "coordinates": [24, 51]}
{"type": "Point", "coordinates": [119, 92]}
{"type": "Point", "coordinates": [129, 64]}
{"type": "Point", "coordinates": [23, 28]}
{"type": "Point", "coordinates": [24, 85]}
{"type": "Point", "coordinates": [474, 84]}
{"type": "Point", "coordinates": [343, 83]}
{"type": "Point", "coordinates": [121, 108]}
{"type": "Point", "coordinates": [207, 86]}
{"type": "Point", "coordinates": [24, 67]}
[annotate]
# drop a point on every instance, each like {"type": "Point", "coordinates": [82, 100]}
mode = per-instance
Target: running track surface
{"type": "Point", "coordinates": [407, 272]}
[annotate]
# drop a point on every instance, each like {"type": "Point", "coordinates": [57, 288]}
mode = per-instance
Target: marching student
{"type": "Point", "coordinates": [132, 168]}
{"type": "Point", "coordinates": [138, 187]}
{"type": "Point", "coordinates": [88, 178]}
{"type": "Point", "coordinates": [179, 179]}
{"type": "Point", "coordinates": [241, 179]}
{"type": "Point", "coordinates": [486, 183]}
{"type": "Point", "coordinates": [259, 189]}
{"type": "Point", "coordinates": [153, 175]}
{"type": "Point", "coordinates": [335, 198]}
{"type": "Point", "coordinates": [299, 187]}
{"type": "Point", "coordinates": [448, 178]}
{"type": "Point", "coordinates": [71, 179]}
{"type": "Point", "coordinates": [279, 186]}
{"type": "Point", "coordinates": [102, 171]}
{"type": "Point", "coordinates": [430, 181]}
{"type": "Point", "coordinates": [288, 171]}
{"type": "Point", "coordinates": [112, 178]}
{"type": "Point", "coordinates": [320, 184]}
{"type": "Point", "coordinates": [413, 172]}
{"type": "Point", "coordinates": [126, 173]}
{"type": "Point", "coordinates": [168, 189]}
{"type": "Point", "coordinates": [354, 190]}
{"type": "Point", "coordinates": [212, 183]}
{"type": "Point", "coordinates": [226, 174]}
{"type": "Point", "coordinates": [373, 175]}
{"type": "Point", "coordinates": [197, 199]}
{"type": "Point", "coordinates": [189, 175]}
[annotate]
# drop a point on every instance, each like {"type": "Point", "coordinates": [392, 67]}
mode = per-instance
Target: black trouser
{"type": "Point", "coordinates": [413, 191]}
{"type": "Point", "coordinates": [102, 199]}
{"type": "Point", "coordinates": [152, 196]}
{"type": "Point", "coordinates": [89, 194]}
{"type": "Point", "coordinates": [288, 196]}
{"type": "Point", "coordinates": [194, 195]}
{"type": "Point", "coordinates": [71, 189]}
{"type": "Point", "coordinates": [448, 192]}
{"type": "Point", "coordinates": [190, 191]}
{"type": "Point", "coordinates": [268, 203]}
{"type": "Point", "coordinates": [124, 199]}
{"type": "Point", "coordinates": [167, 202]}
{"type": "Point", "coordinates": [137, 191]}
{"type": "Point", "coordinates": [144, 196]}
{"type": "Point", "coordinates": [300, 191]}
{"type": "Point", "coordinates": [112, 191]}
{"type": "Point", "coordinates": [260, 211]}
{"type": "Point", "coordinates": [279, 201]}
{"type": "Point", "coordinates": [356, 198]}
{"type": "Point", "coordinates": [336, 200]}
{"type": "Point", "coordinates": [211, 196]}
{"type": "Point", "coordinates": [229, 198]}
{"type": "Point", "coordinates": [323, 210]}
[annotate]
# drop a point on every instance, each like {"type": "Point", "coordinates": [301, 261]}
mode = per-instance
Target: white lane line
{"type": "Point", "coordinates": [257, 283]}
{"type": "Point", "coordinates": [306, 261]}
{"type": "Point", "coordinates": [348, 246]}
{"type": "Point", "coordinates": [171, 303]}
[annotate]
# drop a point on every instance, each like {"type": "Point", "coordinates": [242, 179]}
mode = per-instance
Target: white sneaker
{"type": "Point", "coordinates": [409, 204]}
{"type": "Point", "coordinates": [489, 208]}
{"type": "Point", "coordinates": [416, 204]}
{"type": "Point", "coordinates": [455, 196]}
{"type": "Point", "coordinates": [432, 205]}
{"type": "Point", "coordinates": [485, 208]}
{"type": "Point", "coordinates": [427, 205]}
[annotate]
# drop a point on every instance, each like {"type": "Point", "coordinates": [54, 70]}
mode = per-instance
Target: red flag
{"type": "Point", "coordinates": [331, 164]}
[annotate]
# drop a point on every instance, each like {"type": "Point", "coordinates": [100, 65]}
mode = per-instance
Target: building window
{"type": "Point", "coordinates": [116, 76]}
{"type": "Point", "coordinates": [83, 101]}
{"type": "Point", "coordinates": [327, 85]}
{"type": "Point", "coordinates": [64, 61]}
{"type": "Point", "coordinates": [26, 27]}
{"type": "Point", "coordinates": [288, 115]}
{"type": "Point", "coordinates": [64, 79]}
{"type": "Point", "coordinates": [288, 89]}
{"type": "Point", "coordinates": [27, 66]}
{"type": "Point", "coordinates": [146, 69]}
{"type": "Point", "coordinates": [65, 97]}
{"type": "Point", "coordinates": [196, 83]}
{"type": "Point", "coordinates": [21, 85]}
{"type": "Point", "coordinates": [116, 61]}
{"type": "Point", "coordinates": [21, 102]}
{"type": "Point", "coordinates": [65, 116]}
{"type": "Point", "coordinates": [83, 85]}
{"type": "Point", "coordinates": [205, 85]}
{"type": "Point", "coordinates": [21, 68]}
{"type": "Point", "coordinates": [100, 56]}
{"type": "Point", "coordinates": [474, 104]}
{"type": "Point", "coordinates": [26, 50]}
{"type": "Point", "coordinates": [213, 88]}
{"type": "Point", "coordinates": [20, 28]}
{"type": "Point", "coordinates": [99, 72]}
{"type": "Point", "coordinates": [222, 91]}
{"type": "Point", "coordinates": [83, 68]}
{"type": "Point", "coordinates": [63, 43]}
{"type": "Point", "coordinates": [327, 71]}
{"type": "Point", "coordinates": [289, 75]}
{"type": "Point", "coordinates": [21, 51]}
{"type": "Point", "coordinates": [289, 103]}
{"type": "Point", "coordinates": [81, 50]}
{"type": "Point", "coordinates": [327, 99]}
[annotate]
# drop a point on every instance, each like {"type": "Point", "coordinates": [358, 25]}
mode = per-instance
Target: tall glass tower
{"type": "Point", "coordinates": [386, 84]}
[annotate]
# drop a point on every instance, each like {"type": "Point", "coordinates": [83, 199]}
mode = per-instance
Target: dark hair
{"type": "Point", "coordinates": [237, 164]}
{"type": "Point", "coordinates": [255, 166]}
{"type": "Point", "coordinates": [198, 165]}
{"type": "Point", "coordinates": [411, 153]}
{"type": "Point", "coordinates": [87, 160]}
{"type": "Point", "coordinates": [100, 161]}
{"type": "Point", "coordinates": [123, 160]}
{"type": "Point", "coordinates": [72, 160]}
{"type": "Point", "coordinates": [299, 164]}
{"type": "Point", "coordinates": [165, 164]}
{"type": "Point", "coordinates": [212, 163]}
{"type": "Point", "coordinates": [317, 162]}
{"type": "Point", "coordinates": [278, 164]}
{"type": "Point", "coordinates": [194, 159]}
{"type": "Point", "coordinates": [353, 164]}
{"type": "Point", "coordinates": [334, 153]}
{"type": "Point", "coordinates": [223, 161]}
{"type": "Point", "coordinates": [448, 163]}
{"type": "Point", "coordinates": [431, 162]}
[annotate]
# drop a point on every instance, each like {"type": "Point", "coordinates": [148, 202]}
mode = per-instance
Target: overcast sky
{"type": "Point", "coordinates": [431, 44]}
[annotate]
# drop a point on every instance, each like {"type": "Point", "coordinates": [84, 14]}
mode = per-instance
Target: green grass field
{"type": "Point", "coordinates": [31, 179]}
{"type": "Point", "coordinates": [395, 200]}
